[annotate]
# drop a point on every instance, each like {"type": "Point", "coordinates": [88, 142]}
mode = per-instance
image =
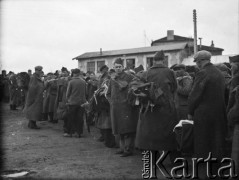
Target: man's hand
{"type": "Point", "coordinates": [190, 117]}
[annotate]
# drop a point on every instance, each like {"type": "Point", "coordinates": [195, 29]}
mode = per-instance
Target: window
{"type": "Point", "coordinates": [99, 65]}
{"type": "Point", "coordinates": [130, 63]}
{"type": "Point", "coordinates": [91, 66]}
{"type": "Point", "coordinates": [166, 61]}
{"type": "Point", "coordinates": [149, 62]}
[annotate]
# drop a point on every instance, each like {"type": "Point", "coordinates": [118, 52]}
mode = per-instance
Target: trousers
{"type": "Point", "coordinates": [75, 119]}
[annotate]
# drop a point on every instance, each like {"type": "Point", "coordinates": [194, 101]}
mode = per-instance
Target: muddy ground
{"type": "Point", "coordinates": [50, 155]}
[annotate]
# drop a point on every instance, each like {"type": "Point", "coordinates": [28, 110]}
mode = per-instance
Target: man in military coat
{"type": "Point", "coordinates": [207, 108]}
{"type": "Point", "coordinates": [121, 112]}
{"type": "Point", "coordinates": [103, 120]}
{"type": "Point", "coordinates": [34, 101]}
{"type": "Point", "coordinates": [185, 82]}
{"type": "Point", "coordinates": [155, 127]}
{"type": "Point", "coordinates": [233, 110]}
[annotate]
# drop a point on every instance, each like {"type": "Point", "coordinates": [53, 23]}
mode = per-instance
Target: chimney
{"type": "Point", "coordinates": [212, 45]}
{"type": "Point", "coordinates": [170, 35]}
{"type": "Point", "coordinates": [100, 51]}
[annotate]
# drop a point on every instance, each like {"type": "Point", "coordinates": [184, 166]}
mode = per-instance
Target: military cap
{"type": "Point", "coordinates": [119, 61]}
{"type": "Point", "coordinates": [179, 66]}
{"type": "Point", "coordinates": [38, 68]}
{"type": "Point", "coordinates": [103, 67]}
{"type": "Point", "coordinates": [222, 67]}
{"type": "Point", "coordinates": [139, 68]}
{"type": "Point", "coordinates": [76, 71]}
{"type": "Point", "coordinates": [159, 55]}
{"type": "Point", "coordinates": [202, 55]}
{"type": "Point", "coordinates": [63, 69]}
{"type": "Point", "coordinates": [50, 73]}
{"type": "Point", "coordinates": [234, 59]}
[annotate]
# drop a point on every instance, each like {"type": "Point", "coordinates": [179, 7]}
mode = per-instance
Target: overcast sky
{"type": "Point", "coordinates": [51, 32]}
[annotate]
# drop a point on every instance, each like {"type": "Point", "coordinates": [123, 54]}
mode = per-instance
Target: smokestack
{"type": "Point", "coordinates": [100, 51]}
{"type": "Point", "coordinates": [170, 35]}
{"type": "Point", "coordinates": [212, 45]}
{"type": "Point", "coordinates": [195, 30]}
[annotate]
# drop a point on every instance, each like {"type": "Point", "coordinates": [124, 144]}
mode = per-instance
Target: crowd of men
{"type": "Point", "coordinates": [140, 108]}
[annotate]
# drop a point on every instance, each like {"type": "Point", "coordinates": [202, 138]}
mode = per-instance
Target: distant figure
{"type": "Point", "coordinates": [4, 86]}
{"type": "Point", "coordinates": [34, 100]}
{"type": "Point", "coordinates": [29, 72]}
{"type": "Point", "coordinates": [15, 95]}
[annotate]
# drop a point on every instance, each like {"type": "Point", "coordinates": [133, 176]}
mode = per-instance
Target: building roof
{"type": "Point", "coordinates": [142, 50]}
{"type": "Point", "coordinates": [187, 39]}
{"type": "Point", "coordinates": [176, 38]}
{"type": "Point", "coordinates": [209, 48]}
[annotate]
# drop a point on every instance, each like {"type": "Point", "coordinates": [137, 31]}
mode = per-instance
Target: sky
{"type": "Point", "coordinates": [52, 32]}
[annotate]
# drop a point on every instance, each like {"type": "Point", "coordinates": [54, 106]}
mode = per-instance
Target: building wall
{"type": "Point", "coordinates": [174, 57]}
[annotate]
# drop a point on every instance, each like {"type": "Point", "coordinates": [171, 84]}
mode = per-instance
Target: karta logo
{"type": "Point", "coordinates": [152, 163]}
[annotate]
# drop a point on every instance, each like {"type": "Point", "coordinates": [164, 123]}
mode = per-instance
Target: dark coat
{"type": "Point", "coordinates": [34, 100]}
{"type": "Point", "coordinates": [233, 104]}
{"type": "Point", "coordinates": [155, 129]}
{"type": "Point", "coordinates": [50, 96]}
{"type": "Point", "coordinates": [76, 91]}
{"type": "Point", "coordinates": [103, 121]}
{"type": "Point", "coordinates": [15, 92]}
{"type": "Point", "coordinates": [60, 103]}
{"type": "Point", "coordinates": [185, 83]}
{"type": "Point", "coordinates": [121, 114]}
{"type": "Point", "coordinates": [207, 105]}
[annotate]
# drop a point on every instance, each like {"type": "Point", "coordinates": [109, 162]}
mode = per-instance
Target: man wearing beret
{"type": "Point", "coordinates": [103, 121]}
{"type": "Point", "coordinates": [34, 100]}
{"type": "Point", "coordinates": [121, 112]}
{"type": "Point", "coordinates": [155, 127]}
{"type": "Point", "coordinates": [233, 109]}
{"type": "Point", "coordinates": [75, 97]}
{"type": "Point", "coordinates": [207, 109]}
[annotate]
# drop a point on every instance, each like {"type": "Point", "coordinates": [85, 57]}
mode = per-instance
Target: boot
{"type": "Point", "coordinates": [14, 107]}
{"type": "Point", "coordinates": [35, 125]}
{"type": "Point", "coordinates": [44, 116]}
{"type": "Point", "coordinates": [51, 115]}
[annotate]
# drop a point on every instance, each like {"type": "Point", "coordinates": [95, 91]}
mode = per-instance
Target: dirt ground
{"type": "Point", "coordinates": [50, 155]}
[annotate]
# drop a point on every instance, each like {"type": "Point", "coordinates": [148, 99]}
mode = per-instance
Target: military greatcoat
{"type": "Point", "coordinates": [207, 105]}
{"type": "Point", "coordinates": [34, 100]}
{"type": "Point", "coordinates": [121, 114]}
{"type": "Point", "coordinates": [155, 129]}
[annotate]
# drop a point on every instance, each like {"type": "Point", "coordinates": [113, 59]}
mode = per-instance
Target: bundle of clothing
{"type": "Point", "coordinates": [146, 95]}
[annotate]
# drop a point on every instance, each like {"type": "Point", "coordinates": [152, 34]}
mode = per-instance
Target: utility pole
{"type": "Point", "coordinates": [200, 40]}
{"type": "Point", "coordinates": [195, 30]}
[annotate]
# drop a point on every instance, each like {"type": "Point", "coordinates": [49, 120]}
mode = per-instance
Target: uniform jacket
{"type": "Point", "coordinates": [76, 91]}
{"type": "Point", "coordinates": [121, 114]}
{"type": "Point", "coordinates": [155, 129]}
{"type": "Point", "coordinates": [233, 104]}
{"type": "Point", "coordinates": [34, 100]}
{"type": "Point", "coordinates": [207, 105]}
{"type": "Point", "coordinates": [50, 96]}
